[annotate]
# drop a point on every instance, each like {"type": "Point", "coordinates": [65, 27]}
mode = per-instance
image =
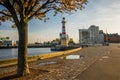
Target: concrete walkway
{"type": "Point", "coordinates": [95, 63]}
{"type": "Point", "coordinates": [105, 68]}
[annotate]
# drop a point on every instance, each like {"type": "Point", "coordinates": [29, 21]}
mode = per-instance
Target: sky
{"type": "Point", "coordinates": [102, 13]}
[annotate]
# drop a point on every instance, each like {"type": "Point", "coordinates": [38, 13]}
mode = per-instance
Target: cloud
{"type": "Point", "coordinates": [102, 13]}
{"type": "Point", "coordinates": [6, 25]}
{"type": "Point", "coordinates": [41, 37]}
{"type": "Point", "coordinates": [9, 33]}
{"type": "Point", "coordinates": [108, 16]}
{"type": "Point", "coordinates": [32, 36]}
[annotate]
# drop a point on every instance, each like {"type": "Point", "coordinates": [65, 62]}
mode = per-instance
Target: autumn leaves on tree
{"type": "Point", "coordinates": [20, 12]}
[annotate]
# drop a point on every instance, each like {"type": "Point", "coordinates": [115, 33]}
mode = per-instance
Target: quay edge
{"type": "Point", "coordinates": [38, 57]}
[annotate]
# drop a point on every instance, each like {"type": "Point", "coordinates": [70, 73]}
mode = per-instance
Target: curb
{"type": "Point", "coordinates": [55, 54]}
{"type": "Point", "coordinates": [43, 56]}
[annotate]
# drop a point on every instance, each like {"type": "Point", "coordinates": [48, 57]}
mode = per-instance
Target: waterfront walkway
{"type": "Point", "coordinates": [95, 63]}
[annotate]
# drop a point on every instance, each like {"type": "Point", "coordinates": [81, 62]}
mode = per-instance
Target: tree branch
{"type": "Point", "coordinates": [41, 7]}
{"type": "Point", "coordinates": [32, 7]}
{"type": "Point", "coordinates": [2, 4]}
{"type": "Point", "coordinates": [7, 5]}
{"type": "Point", "coordinates": [41, 13]}
{"type": "Point", "coordinates": [5, 14]}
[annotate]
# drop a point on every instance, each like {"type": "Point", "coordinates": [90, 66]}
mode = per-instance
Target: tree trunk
{"type": "Point", "coordinates": [22, 67]}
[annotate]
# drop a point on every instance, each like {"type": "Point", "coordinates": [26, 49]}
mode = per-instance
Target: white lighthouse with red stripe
{"type": "Point", "coordinates": [63, 35]}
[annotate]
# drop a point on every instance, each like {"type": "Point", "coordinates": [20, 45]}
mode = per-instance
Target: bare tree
{"type": "Point", "coordinates": [20, 12]}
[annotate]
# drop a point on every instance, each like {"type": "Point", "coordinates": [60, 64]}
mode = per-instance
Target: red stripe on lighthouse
{"type": "Point", "coordinates": [64, 33]}
{"type": "Point", "coordinates": [63, 26]}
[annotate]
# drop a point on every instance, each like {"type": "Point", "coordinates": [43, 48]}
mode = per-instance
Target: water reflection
{"type": "Point", "coordinates": [14, 53]}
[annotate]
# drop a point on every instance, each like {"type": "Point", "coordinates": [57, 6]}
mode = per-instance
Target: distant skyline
{"type": "Point", "coordinates": [102, 13]}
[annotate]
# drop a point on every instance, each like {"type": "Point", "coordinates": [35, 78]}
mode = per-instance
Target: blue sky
{"type": "Point", "coordinates": [102, 13]}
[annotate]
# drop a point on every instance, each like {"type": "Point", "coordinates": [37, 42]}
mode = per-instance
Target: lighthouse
{"type": "Point", "coordinates": [63, 39]}
{"type": "Point", "coordinates": [63, 35]}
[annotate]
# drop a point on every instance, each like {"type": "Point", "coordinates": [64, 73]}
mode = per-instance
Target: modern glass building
{"type": "Point", "coordinates": [91, 36]}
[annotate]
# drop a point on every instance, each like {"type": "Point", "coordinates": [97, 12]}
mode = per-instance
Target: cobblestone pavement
{"type": "Point", "coordinates": [61, 68]}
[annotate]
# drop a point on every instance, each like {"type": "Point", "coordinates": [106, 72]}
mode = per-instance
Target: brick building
{"type": "Point", "coordinates": [114, 38]}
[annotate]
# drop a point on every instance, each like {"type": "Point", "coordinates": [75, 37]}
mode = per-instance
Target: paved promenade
{"type": "Point", "coordinates": [95, 63]}
{"type": "Point", "coordinates": [105, 68]}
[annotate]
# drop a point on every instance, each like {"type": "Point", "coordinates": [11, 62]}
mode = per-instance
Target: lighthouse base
{"type": "Point", "coordinates": [62, 48]}
{"type": "Point", "coordinates": [64, 42]}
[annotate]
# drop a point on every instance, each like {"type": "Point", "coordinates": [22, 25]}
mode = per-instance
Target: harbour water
{"type": "Point", "coordinates": [13, 52]}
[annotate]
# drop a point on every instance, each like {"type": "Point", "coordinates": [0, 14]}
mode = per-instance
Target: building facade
{"type": "Point", "coordinates": [114, 38]}
{"type": "Point", "coordinates": [83, 36]}
{"type": "Point", "coordinates": [4, 41]}
{"type": "Point", "coordinates": [91, 36]}
{"type": "Point", "coordinates": [9, 43]}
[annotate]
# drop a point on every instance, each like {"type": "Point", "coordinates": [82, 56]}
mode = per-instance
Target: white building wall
{"type": "Point", "coordinates": [101, 38]}
{"type": "Point", "coordinates": [93, 36]}
{"type": "Point", "coordinates": [8, 43]}
{"type": "Point", "coordinates": [83, 39]}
